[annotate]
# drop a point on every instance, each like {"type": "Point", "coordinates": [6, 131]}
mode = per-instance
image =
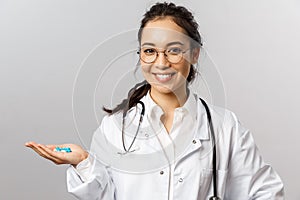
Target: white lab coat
{"type": "Point", "coordinates": [187, 174]}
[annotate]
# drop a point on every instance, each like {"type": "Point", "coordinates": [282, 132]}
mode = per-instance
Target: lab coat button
{"type": "Point", "coordinates": [161, 172]}
{"type": "Point", "coordinates": [194, 141]}
{"type": "Point", "coordinates": [180, 180]}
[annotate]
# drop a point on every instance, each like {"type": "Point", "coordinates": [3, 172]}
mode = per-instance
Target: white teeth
{"type": "Point", "coordinates": [163, 76]}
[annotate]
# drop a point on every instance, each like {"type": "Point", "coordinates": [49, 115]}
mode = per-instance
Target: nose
{"type": "Point", "coordinates": [161, 61]}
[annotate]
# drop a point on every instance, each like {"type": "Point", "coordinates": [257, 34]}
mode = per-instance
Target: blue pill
{"type": "Point", "coordinates": [63, 149]}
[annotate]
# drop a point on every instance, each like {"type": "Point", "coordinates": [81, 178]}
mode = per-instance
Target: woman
{"type": "Point", "coordinates": [185, 166]}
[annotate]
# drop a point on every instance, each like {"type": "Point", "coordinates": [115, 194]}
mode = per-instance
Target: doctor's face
{"type": "Point", "coordinates": [166, 56]}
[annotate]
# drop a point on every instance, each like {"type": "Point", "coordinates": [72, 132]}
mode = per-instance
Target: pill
{"type": "Point", "coordinates": [63, 149]}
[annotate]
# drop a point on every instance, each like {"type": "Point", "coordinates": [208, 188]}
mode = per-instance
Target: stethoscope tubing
{"type": "Point", "coordinates": [214, 159]}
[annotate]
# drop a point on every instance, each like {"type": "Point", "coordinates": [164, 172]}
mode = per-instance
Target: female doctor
{"type": "Point", "coordinates": [177, 146]}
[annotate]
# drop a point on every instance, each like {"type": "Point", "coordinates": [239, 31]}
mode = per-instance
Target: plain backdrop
{"type": "Point", "coordinates": [254, 43]}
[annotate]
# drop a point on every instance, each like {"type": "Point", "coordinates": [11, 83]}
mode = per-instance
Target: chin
{"type": "Point", "coordinates": [166, 89]}
{"type": "Point", "coordinates": [163, 90]}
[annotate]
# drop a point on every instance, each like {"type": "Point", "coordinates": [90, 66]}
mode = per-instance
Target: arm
{"type": "Point", "coordinates": [87, 178]}
{"type": "Point", "coordinates": [249, 176]}
{"type": "Point", "coordinates": [91, 178]}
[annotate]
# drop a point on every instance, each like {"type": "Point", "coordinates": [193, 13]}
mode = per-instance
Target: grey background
{"type": "Point", "coordinates": [255, 45]}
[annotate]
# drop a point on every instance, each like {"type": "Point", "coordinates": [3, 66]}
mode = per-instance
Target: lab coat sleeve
{"type": "Point", "coordinates": [95, 185]}
{"type": "Point", "coordinates": [249, 176]}
{"type": "Point", "coordinates": [92, 179]}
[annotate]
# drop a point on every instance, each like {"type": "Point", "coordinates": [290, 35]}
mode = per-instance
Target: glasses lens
{"type": "Point", "coordinates": [148, 55]}
{"type": "Point", "coordinates": [174, 54]}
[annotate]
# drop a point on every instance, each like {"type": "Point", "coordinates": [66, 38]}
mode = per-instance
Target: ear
{"type": "Point", "coordinates": [195, 55]}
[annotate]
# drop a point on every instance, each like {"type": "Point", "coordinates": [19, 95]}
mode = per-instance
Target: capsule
{"type": "Point", "coordinates": [63, 149]}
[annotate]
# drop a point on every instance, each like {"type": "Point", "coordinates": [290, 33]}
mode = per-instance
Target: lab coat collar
{"type": "Point", "coordinates": [202, 132]}
{"type": "Point", "coordinates": [154, 111]}
{"type": "Point", "coordinates": [193, 106]}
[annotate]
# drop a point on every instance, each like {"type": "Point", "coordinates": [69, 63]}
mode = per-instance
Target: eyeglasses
{"type": "Point", "coordinates": [173, 55]}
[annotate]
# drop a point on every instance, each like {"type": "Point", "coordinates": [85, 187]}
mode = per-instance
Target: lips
{"type": "Point", "coordinates": [163, 77]}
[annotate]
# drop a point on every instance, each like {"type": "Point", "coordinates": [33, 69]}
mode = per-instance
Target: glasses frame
{"type": "Point", "coordinates": [164, 52]}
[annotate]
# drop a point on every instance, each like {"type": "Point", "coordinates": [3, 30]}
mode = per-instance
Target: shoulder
{"type": "Point", "coordinates": [220, 115]}
{"type": "Point", "coordinates": [225, 122]}
{"type": "Point", "coordinates": [108, 133]}
{"type": "Point", "coordinates": [111, 122]}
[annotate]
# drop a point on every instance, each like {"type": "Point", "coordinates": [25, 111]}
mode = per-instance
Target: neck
{"type": "Point", "coordinates": [169, 101]}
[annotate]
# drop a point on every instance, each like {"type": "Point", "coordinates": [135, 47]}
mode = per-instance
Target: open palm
{"type": "Point", "coordinates": [47, 151]}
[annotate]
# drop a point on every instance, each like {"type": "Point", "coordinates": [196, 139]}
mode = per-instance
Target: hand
{"type": "Point", "coordinates": [77, 155]}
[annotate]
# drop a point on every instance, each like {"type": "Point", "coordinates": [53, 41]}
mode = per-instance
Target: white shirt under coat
{"type": "Point", "coordinates": [174, 166]}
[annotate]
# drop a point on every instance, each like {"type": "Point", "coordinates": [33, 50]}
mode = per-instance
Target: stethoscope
{"type": "Point", "coordinates": [214, 162]}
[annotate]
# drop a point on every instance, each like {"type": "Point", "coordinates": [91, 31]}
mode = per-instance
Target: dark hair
{"type": "Point", "coordinates": [183, 18]}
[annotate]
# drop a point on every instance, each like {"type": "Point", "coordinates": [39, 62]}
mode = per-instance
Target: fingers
{"type": "Point", "coordinates": [47, 152]}
{"type": "Point", "coordinates": [34, 147]}
{"type": "Point", "coordinates": [56, 157]}
{"type": "Point", "coordinates": [51, 146]}
{"type": "Point", "coordinates": [29, 144]}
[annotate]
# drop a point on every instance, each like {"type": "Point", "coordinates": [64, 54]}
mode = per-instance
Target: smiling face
{"type": "Point", "coordinates": [166, 74]}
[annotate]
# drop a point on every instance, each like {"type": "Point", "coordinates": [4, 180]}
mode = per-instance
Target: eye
{"type": "Point", "coordinates": [175, 50]}
{"type": "Point", "coordinates": [149, 51]}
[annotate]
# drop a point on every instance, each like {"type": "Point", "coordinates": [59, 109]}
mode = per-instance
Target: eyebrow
{"type": "Point", "coordinates": [169, 44]}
